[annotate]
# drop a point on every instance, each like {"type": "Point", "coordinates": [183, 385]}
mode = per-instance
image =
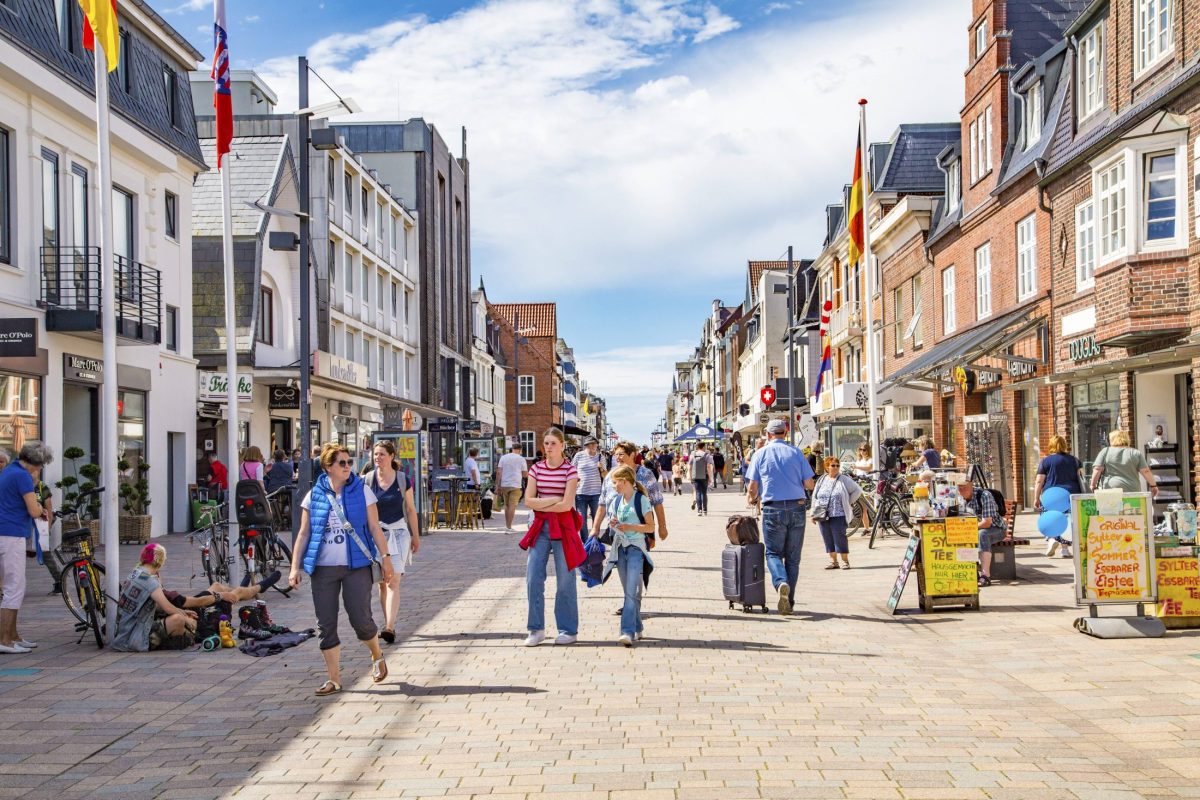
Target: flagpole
{"type": "Point", "coordinates": [872, 356]}
{"type": "Point", "coordinates": [231, 378]}
{"type": "Point", "coordinates": [109, 475]}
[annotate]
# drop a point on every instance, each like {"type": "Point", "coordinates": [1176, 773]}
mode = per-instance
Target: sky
{"type": "Point", "coordinates": [628, 157]}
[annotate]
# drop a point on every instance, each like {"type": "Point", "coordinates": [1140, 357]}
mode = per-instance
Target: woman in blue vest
{"type": "Point", "coordinates": [339, 538]}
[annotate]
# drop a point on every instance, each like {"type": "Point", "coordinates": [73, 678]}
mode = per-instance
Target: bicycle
{"type": "Point", "coordinates": [81, 577]}
{"type": "Point", "coordinates": [214, 549]}
{"type": "Point", "coordinates": [891, 514]}
{"type": "Point", "coordinates": [262, 551]}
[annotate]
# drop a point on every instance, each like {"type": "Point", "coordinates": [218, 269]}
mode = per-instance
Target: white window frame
{"type": "Point", "coordinates": [1120, 190]}
{"type": "Point", "coordinates": [1144, 215]}
{"type": "Point", "coordinates": [949, 308]}
{"type": "Point", "coordinates": [1033, 115]}
{"type": "Point", "coordinates": [1085, 246]}
{"type": "Point", "coordinates": [526, 390]}
{"type": "Point", "coordinates": [528, 442]}
{"type": "Point", "coordinates": [981, 38]}
{"type": "Point", "coordinates": [953, 184]}
{"type": "Point", "coordinates": [1091, 78]}
{"type": "Point", "coordinates": [1110, 188]}
{"type": "Point", "coordinates": [898, 312]}
{"type": "Point", "coordinates": [1154, 34]}
{"type": "Point", "coordinates": [974, 139]}
{"type": "Point", "coordinates": [1027, 257]}
{"type": "Point", "coordinates": [918, 307]}
{"type": "Point", "coordinates": [983, 281]}
{"type": "Point", "coordinates": [987, 156]}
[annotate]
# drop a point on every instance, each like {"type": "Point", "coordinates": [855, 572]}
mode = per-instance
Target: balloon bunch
{"type": "Point", "coordinates": [1053, 522]}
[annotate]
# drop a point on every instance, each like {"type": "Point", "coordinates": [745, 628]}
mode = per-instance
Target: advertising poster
{"type": "Point", "coordinates": [1114, 559]}
{"type": "Point", "coordinates": [949, 552]}
{"type": "Point", "coordinates": [910, 555]}
{"type": "Point", "coordinates": [408, 453]}
{"type": "Point", "coordinates": [1179, 587]}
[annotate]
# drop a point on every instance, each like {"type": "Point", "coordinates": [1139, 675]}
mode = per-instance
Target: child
{"type": "Point", "coordinates": [631, 521]}
{"type": "Point", "coordinates": [677, 473]}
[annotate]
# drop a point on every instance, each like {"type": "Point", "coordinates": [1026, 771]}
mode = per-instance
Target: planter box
{"type": "Point", "coordinates": [134, 529]}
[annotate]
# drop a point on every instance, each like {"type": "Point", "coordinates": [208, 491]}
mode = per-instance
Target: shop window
{"type": "Point", "coordinates": [20, 411]}
{"type": "Point", "coordinates": [131, 430]}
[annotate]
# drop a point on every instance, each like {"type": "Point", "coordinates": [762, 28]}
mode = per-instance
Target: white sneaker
{"type": "Point", "coordinates": [625, 640]}
{"type": "Point", "coordinates": [14, 649]}
{"type": "Point", "coordinates": [1051, 547]}
{"type": "Point", "coordinates": [535, 638]}
{"type": "Point", "coordinates": [565, 638]}
{"type": "Point", "coordinates": [29, 645]}
{"type": "Point", "coordinates": [1066, 553]}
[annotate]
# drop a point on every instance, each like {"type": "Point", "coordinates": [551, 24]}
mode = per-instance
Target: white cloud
{"type": "Point", "coordinates": [715, 24]}
{"type": "Point", "coordinates": [190, 5]}
{"type": "Point", "coordinates": [633, 383]}
{"type": "Point", "coordinates": [252, 18]}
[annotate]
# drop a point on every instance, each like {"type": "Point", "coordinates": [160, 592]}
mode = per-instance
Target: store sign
{"type": "Point", "coordinates": [82, 368]}
{"type": "Point", "coordinates": [443, 425]}
{"type": "Point", "coordinates": [472, 426]}
{"type": "Point", "coordinates": [327, 365]}
{"type": "Point", "coordinates": [399, 418]}
{"type": "Point", "coordinates": [213, 387]}
{"type": "Point", "coordinates": [283, 397]}
{"type": "Point", "coordinates": [1114, 556]}
{"type": "Point", "coordinates": [1179, 586]}
{"type": "Point", "coordinates": [1084, 348]}
{"type": "Point", "coordinates": [987, 378]}
{"type": "Point", "coordinates": [18, 337]}
{"type": "Point", "coordinates": [949, 553]}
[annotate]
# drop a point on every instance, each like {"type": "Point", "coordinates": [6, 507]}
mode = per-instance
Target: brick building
{"type": "Point", "coordinates": [528, 339]}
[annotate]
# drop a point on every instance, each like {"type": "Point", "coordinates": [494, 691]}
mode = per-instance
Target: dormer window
{"type": "Point", "coordinates": [1033, 115]}
{"type": "Point", "coordinates": [1155, 34]}
{"type": "Point", "coordinates": [953, 184]}
{"type": "Point", "coordinates": [1090, 80]}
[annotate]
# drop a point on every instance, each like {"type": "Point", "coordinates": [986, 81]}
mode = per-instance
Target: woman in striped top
{"type": "Point", "coordinates": [551, 490]}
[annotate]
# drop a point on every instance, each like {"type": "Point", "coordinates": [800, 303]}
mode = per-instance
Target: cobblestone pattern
{"type": "Point", "coordinates": [839, 701]}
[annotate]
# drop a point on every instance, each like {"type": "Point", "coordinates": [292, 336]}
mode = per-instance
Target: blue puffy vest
{"type": "Point", "coordinates": [354, 502]}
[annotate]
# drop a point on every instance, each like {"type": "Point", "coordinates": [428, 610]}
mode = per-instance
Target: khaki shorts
{"type": "Point", "coordinates": [512, 497]}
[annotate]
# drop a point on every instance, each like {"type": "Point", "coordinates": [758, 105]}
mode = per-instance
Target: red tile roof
{"type": "Point", "coordinates": [531, 319]}
{"type": "Point", "coordinates": [757, 268]}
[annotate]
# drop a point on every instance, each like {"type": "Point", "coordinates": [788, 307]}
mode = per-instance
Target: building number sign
{"type": "Point", "coordinates": [1083, 348]}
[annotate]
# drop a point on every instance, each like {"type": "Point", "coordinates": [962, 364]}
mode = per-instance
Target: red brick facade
{"type": "Point", "coordinates": [535, 358]}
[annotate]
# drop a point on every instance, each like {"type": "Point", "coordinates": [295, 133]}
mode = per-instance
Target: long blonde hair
{"type": "Point", "coordinates": [627, 474]}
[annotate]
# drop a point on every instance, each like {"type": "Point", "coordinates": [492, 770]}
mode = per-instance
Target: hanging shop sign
{"type": "Point", "coordinates": [1085, 348]}
{"type": "Point", "coordinates": [987, 378]}
{"type": "Point", "coordinates": [18, 337]}
{"type": "Point", "coordinates": [283, 397]}
{"type": "Point", "coordinates": [443, 425]}
{"type": "Point", "coordinates": [213, 386]}
{"type": "Point", "coordinates": [1114, 559]}
{"type": "Point", "coordinates": [965, 379]}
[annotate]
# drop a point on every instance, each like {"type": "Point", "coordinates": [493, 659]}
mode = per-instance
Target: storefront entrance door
{"type": "Point", "coordinates": [1032, 446]}
{"type": "Point", "coordinates": [81, 420]}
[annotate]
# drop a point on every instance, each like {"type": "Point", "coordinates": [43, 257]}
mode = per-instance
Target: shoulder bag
{"type": "Point", "coordinates": [1100, 483]}
{"type": "Point", "coordinates": [376, 564]}
{"type": "Point", "coordinates": [820, 508]}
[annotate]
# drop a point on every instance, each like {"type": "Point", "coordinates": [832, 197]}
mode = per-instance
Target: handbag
{"type": "Point", "coordinates": [820, 508]}
{"type": "Point", "coordinates": [376, 564]}
{"type": "Point", "coordinates": [1101, 483]}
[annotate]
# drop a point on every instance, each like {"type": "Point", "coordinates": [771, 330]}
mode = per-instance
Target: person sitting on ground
{"type": "Point", "coordinates": [983, 506]}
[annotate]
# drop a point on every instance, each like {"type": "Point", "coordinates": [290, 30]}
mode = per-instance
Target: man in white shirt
{"type": "Point", "coordinates": [511, 470]}
{"type": "Point", "coordinates": [471, 468]}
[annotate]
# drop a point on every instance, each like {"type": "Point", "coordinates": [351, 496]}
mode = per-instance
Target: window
{"type": "Point", "coordinates": [349, 345]}
{"type": "Point", "coordinates": [527, 444]}
{"type": "Point", "coordinates": [364, 220]}
{"type": "Point", "coordinates": [877, 338]}
{"type": "Point", "coordinates": [380, 212]}
{"type": "Point", "coordinates": [332, 267]}
{"type": "Point", "coordinates": [5, 201]}
{"type": "Point", "coordinates": [953, 185]}
{"type": "Point", "coordinates": [918, 304]}
{"type": "Point", "coordinates": [171, 219]}
{"type": "Point", "coordinates": [974, 139]}
{"type": "Point", "coordinates": [382, 364]}
{"type": "Point", "coordinates": [348, 195]}
{"type": "Point", "coordinates": [266, 316]}
{"type": "Point", "coordinates": [379, 294]}
{"type": "Point", "coordinates": [123, 219]}
{"type": "Point", "coordinates": [1085, 246]}
{"type": "Point", "coordinates": [366, 283]}
{"type": "Point", "coordinates": [898, 316]}
{"type": "Point", "coordinates": [169, 92]}
{"type": "Point", "coordinates": [1155, 35]}
{"type": "Point", "coordinates": [1033, 115]}
{"type": "Point", "coordinates": [1026, 257]}
{"type": "Point", "coordinates": [948, 300]}
{"type": "Point", "coordinates": [49, 199]}
{"type": "Point", "coordinates": [348, 268]}
{"type": "Point", "coordinates": [983, 282]}
{"type": "Point", "coordinates": [1110, 209]}
{"type": "Point", "coordinates": [171, 337]}
{"type": "Point", "coordinates": [525, 389]}
{"type": "Point", "coordinates": [981, 38]}
{"type": "Point", "coordinates": [1160, 199]}
{"type": "Point", "coordinates": [331, 181]}
{"type": "Point", "coordinates": [987, 141]}
{"type": "Point", "coordinates": [395, 302]}
{"type": "Point", "coordinates": [1091, 71]}
{"type": "Point", "coordinates": [79, 207]}
{"type": "Point", "coordinates": [368, 349]}
{"type": "Point", "coordinates": [63, 13]}
{"type": "Point", "coordinates": [394, 244]}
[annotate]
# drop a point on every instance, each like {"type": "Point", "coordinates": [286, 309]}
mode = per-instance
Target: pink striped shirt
{"type": "Point", "coordinates": [552, 482]}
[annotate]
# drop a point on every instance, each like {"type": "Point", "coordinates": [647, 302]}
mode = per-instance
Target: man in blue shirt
{"type": "Point", "coordinates": [780, 475]}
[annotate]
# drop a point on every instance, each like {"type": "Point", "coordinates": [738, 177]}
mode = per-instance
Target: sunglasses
{"type": "Point", "coordinates": [343, 462]}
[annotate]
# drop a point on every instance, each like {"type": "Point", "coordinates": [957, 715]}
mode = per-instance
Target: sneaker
{"type": "Point", "coordinates": [535, 638]}
{"type": "Point", "coordinates": [566, 638]}
{"type": "Point", "coordinates": [14, 649]}
{"type": "Point", "coordinates": [785, 603]}
{"type": "Point", "coordinates": [25, 644]}
{"type": "Point", "coordinates": [1051, 547]}
{"type": "Point", "coordinates": [1066, 551]}
{"type": "Point", "coordinates": [625, 640]}
{"type": "Point", "coordinates": [637, 637]}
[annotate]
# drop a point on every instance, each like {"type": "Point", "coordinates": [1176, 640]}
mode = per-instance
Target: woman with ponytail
{"type": "Point", "coordinates": [632, 527]}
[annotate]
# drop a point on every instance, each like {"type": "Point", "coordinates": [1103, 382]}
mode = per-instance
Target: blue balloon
{"type": "Point", "coordinates": [1052, 524]}
{"type": "Point", "coordinates": [1056, 498]}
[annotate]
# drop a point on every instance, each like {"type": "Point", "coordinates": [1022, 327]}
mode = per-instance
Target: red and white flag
{"type": "Point", "coordinates": [222, 95]}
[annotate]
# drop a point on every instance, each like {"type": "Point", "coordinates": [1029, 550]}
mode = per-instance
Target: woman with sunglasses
{"type": "Point", "coordinates": [339, 537]}
{"type": "Point", "coordinates": [834, 497]}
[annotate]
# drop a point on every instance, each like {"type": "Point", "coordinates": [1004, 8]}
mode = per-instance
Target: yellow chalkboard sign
{"type": "Point", "coordinates": [949, 553]}
{"type": "Point", "coordinates": [1179, 587]}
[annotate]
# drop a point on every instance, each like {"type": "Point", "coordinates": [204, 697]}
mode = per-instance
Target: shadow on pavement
{"type": "Point", "coordinates": [731, 616]}
{"type": "Point", "coordinates": [412, 690]}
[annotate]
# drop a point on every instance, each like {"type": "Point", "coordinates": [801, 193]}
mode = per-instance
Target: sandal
{"type": "Point", "coordinates": [831, 566]}
{"type": "Point", "coordinates": [984, 580]}
{"type": "Point", "coordinates": [328, 688]}
{"type": "Point", "coordinates": [388, 635]}
{"type": "Point", "coordinates": [845, 565]}
{"type": "Point", "coordinates": [379, 671]}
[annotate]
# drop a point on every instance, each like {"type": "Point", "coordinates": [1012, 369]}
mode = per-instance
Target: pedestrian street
{"type": "Point", "coordinates": [839, 700]}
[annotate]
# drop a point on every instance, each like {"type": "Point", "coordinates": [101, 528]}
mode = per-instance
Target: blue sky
{"type": "Point", "coordinates": [628, 156]}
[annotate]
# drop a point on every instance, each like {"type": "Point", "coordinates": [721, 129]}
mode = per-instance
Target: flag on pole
{"type": "Point", "coordinates": [100, 19]}
{"type": "Point", "coordinates": [855, 224]}
{"type": "Point", "coordinates": [825, 355]}
{"type": "Point", "coordinates": [222, 95]}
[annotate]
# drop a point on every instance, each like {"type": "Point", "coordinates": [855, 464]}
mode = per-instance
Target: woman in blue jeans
{"type": "Point", "coordinates": [631, 523]}
{"type": "Point", "coordinates": [550, 494]}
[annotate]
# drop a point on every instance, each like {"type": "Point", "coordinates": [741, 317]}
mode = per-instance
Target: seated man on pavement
{"type": "Point", "coordinates": [982, 505]}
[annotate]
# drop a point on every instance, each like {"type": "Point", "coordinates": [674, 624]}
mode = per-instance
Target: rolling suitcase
{"type": "Point", "coordinates": [743, 575]}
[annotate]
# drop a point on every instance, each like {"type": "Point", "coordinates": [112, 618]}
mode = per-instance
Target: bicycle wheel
{"type": "Point", "coordinates": [279, 558]}
{"type": "Point", "coordinates": [72, 590]}
{"type": "Point", "coordinates": [876, 525]}
{"type": "Point", "coordinates": [93, 617]}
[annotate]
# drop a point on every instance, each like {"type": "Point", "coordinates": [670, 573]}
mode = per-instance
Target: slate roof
{"type": "Point", "coordinates": [1020, 160]}
{"type": "Point", "coordinates": [911, 164]}
{"type": "Point", "coordinates": [835, 218]}
{"type": "Point", "coordinates": [256, 171]}
{"type": "Point", "coordinates": [1038, 25]}
{"type": "Point", "coordinates": [541, 317]}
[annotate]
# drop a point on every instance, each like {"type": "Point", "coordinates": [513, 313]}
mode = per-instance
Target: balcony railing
{"type": "Point", "coordinates": [71, 293]}
{"type": "Point", "coordinates": [845, 323]}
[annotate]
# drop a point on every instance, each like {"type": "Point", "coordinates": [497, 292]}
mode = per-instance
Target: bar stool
{"type": "Point", "coordinates": [440, 508]}
{"type": "Point", "coordinates": [468, 509]}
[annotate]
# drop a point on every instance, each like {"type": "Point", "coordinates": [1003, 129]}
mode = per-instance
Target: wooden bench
{"type": "Point", "coordinates": [1004, 552]}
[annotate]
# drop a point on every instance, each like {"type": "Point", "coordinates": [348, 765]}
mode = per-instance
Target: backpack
{"type": "Point", "coordinates": [607, 537]}
{"type": "Point", "coordinates": [1001, 505]}
{"type": "Point", "coordinates": [742, 530]}
{"type": "Point", "coordinates": [208, 619]}
{"type": "Point", "coordinates": [698, 464]}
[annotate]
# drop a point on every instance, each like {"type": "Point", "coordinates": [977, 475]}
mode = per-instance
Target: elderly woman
{"type": "Point", "coordinates": [1118, 466]}
{"type": "Point", "coordinates": [834, 497]}
{"type": "Point", "coordinates": [19, 507]}
{"type": "Point", "coordinates": [339, 537]}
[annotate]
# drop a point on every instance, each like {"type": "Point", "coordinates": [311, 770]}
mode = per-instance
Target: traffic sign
{"type": "Point", "coordinates": [767, 395]}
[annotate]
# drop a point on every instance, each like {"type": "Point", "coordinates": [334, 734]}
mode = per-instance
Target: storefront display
{"type": "Point", "coordinates": [1095, 410]}
{"type": "Point", "coordinates": [20, 411]}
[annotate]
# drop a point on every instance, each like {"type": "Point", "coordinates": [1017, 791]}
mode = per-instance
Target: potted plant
{"type": "Point", "coordinates": [135, 502]}
{"type": "Point", "coordinates": [81, 479]}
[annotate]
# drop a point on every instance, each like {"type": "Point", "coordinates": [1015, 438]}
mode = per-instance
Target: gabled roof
{"type": "Point", "coordinates": [263, 166]}
{"type": "Point", "coordinates": [1019, 160]}
{"type": "Point", "coordinates": [1038, 25]}
{"type": "Point", "coordinates": [911, 160]}
{"type": "Point", "coordinates": [530, 319]}
{"type": "Point", "coordinates": [756, 269]}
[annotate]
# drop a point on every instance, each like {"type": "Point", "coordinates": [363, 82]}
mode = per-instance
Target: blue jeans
{"type": "Point", "coordinates": [783, 535]}
{"type": "Point", "coordinates": [701, 487]}
{"type": "Point", "coordinates": [833, 531]}
{"type": "Point", "coordinates": [584, 503]}
{"type": "Point", "coordinates": [566, 604]}
{"type": "Point", "coordinates": [630, 563]}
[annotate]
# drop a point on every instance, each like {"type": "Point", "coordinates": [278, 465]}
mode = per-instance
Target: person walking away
{"type": "Point", "coordinates": [471, 469]}
{"type": "Point", "coordinates": [700, 469]}
{"type": "Point", "coordinates": [1118, 466]}
{"type": "Point", "coordinates": [591, 482]}
{"type": "Point", "coordinates": [631, 524]}
{"type": "Point", "coordinates": [666, 464]}
{"type": "Point", "coordinates": [511, 470]}
{"type": "Point", "coordinates": [398, 518]}
{"type": "Point", "coordinates": [833, 502]}
{"type": "Point", "coordinates": [252, 468]}
{"type": "Point", "coordinates": [19, 507]}
{"type": "Point", "coordinates": [718, 459]}
{"type": "Point", "coordinates": [339, 538]}
{"type": "Point", "coordinates": [550, 494]}
{"type": "Point", "coordinates": [677, 476]}
{"type": "Point", "coordinates": [1057, 468]}
{"type": "Point", "coordinates": [982, 506]}
{"type": "Point", "coordinates": [780, 477]}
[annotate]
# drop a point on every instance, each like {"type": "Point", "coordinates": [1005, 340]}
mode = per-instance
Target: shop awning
{"type": "Point", "coordinates": [1180, 354]}
{"type": "Point", "coordinates": [575, 430]}
{"type": "Point", "coordinates": [979, 342]}
{"type": "Point", "coordinates": [700, 433]}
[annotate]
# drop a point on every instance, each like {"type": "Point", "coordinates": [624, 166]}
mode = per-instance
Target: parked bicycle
{"type": "Point", "coordinates": [213, 541]}
{"type": "Point", "coordinates": [891, 513]}
{"type": "Point", "coordinates": [81, 578]}
{"type": "Point", "coordinates": [261, 550]}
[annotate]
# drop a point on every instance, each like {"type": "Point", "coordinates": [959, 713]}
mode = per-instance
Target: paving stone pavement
{"type": "Point", "coordinates": [839, 701]}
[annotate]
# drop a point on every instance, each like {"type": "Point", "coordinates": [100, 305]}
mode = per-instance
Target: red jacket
{"type": "Point", "coordinates": [564, 526]}
{"type": "Point", "coordinates": [218, 476]}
